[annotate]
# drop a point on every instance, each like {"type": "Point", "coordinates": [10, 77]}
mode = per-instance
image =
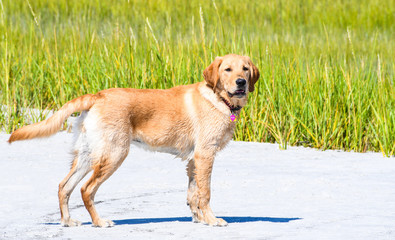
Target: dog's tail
{"type": "Point", "coordinates": [52, 125]}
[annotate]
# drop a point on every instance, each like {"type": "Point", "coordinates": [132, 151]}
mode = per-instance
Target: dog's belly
{"type": "Point", "coordinates": [184, 154]}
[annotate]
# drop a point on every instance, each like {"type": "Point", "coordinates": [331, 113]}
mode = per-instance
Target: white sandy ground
{"type": "Point", "coordinates": [263, 192]}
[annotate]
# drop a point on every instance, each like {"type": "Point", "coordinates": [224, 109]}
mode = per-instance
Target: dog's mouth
{"type": "Point", "coordinates": [239, 93]}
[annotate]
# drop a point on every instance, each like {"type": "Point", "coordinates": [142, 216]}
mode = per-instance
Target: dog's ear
{"type": "Point", "coordinates": [211, 73]}
{"type": "Point", "coordinates": [254, 77]}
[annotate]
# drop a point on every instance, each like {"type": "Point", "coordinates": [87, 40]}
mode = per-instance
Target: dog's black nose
{"type": "Point", "coordinates": [241, 82]}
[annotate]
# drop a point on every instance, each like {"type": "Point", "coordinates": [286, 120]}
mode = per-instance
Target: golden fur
{"type": "Point", "coordinates": [191, 122]}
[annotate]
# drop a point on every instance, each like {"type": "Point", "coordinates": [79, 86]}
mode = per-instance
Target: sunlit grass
{"type": "Point", "coordinates": [327, 67]}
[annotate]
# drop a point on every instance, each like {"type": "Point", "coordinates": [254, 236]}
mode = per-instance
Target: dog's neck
{"type": "Point", "coordinates": [232, 108]}
{"type": "Point", "coordinates": [219, 102]}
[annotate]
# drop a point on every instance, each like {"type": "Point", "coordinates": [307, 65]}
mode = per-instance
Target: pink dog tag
{"type": "Point", "coordinates": [232, 117]}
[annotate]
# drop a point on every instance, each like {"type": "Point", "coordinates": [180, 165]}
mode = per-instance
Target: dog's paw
{"type": "Point", "coordinates": [220, 223]}
{"type": "Point", "coordinates": [103, 223]}
{"type": "Point", "coordinates": [217, 222]}
{"type": "Point", "coordinates": [70, 223]}
{"type": "Point", "coordinates": [195, 218]}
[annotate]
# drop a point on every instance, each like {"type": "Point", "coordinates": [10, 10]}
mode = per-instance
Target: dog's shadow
{"type": "Point", "coordinates": [189, 219]}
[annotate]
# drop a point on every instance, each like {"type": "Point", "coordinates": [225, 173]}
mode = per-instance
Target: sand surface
{"type": "Point", "coordinates": [262, 191]}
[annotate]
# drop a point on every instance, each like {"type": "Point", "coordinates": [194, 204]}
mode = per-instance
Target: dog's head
{"type": "Point", "coordinates": [232, 77]}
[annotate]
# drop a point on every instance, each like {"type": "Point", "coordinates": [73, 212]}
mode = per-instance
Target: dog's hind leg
{"type": "Point", "coordinates": [77, 173]}
{"type": "Point", "coordinates": [103, 169]}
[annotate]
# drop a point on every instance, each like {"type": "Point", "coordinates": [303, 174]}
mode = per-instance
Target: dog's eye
{"type": "Point", "coordinates": [245, 69]}
{"type": "Point", "coordinates": [228, 69]}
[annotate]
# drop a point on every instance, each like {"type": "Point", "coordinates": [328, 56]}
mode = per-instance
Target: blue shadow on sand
{"type": "Point", "coordinates": [189, 219]}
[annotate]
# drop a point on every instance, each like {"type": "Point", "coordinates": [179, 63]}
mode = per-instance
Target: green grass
{"type": "Point", "coordinates": [327, 67]}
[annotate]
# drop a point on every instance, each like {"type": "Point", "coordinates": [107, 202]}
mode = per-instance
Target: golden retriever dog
{"type": "Point", "coordinates": [193, 122]}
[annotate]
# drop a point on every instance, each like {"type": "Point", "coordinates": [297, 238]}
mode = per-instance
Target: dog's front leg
{"type": "Point", "coordinates": [203, 168]}
{"type": "Point", "coordinates": [192, 197]}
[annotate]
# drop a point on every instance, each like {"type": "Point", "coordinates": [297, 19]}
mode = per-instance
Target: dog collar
{"type": "Point", "coordinates": [233, 110]}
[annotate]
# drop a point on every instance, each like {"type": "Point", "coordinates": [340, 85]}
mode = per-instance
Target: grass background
{"type": "Point", "coordinates": [327, 67]}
